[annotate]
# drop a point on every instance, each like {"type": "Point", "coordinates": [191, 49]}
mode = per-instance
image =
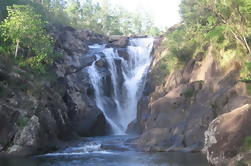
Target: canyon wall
{"type": "Point", "coordinates": [201, 106]}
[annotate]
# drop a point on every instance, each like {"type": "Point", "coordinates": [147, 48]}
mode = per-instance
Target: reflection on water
{"type": "Point", "coordinates": [107, 151]}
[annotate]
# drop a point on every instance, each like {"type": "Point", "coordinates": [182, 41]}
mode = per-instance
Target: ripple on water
{"type": "Point", "coordinates": [116, 153]}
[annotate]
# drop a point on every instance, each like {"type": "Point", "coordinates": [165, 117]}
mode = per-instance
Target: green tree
{"type": "Point", "coordinates": [25, 29]}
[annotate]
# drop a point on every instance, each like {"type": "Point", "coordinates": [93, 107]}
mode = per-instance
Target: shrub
{"type": "Point", "coordinates": [189, 93]}
{"type": "Point", "coordinates": [22, 121]}
{"type": "Point", "coordinates": [24, 28]}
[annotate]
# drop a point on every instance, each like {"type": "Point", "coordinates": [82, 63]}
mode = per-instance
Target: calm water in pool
{"type": "Point", "coordinates": [107, 151]}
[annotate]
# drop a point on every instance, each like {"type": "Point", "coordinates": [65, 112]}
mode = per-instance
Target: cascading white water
{"type": "Point", "coordinates": [121, 107]}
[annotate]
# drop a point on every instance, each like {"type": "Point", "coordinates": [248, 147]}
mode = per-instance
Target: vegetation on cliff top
{"type": "Point", "coordinates": [225, 25]}
{"type": "Point", "coordinates": [23, 26]}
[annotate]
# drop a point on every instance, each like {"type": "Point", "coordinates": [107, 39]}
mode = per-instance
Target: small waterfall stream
{"type": "Point", "coordinates": [127, 81]}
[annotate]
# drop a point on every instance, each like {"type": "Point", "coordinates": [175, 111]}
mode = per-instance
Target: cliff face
{"type": "Point", "coordinates": [175, 115]}
{"type": "Point", "coordinates": [33, 115]}
{"type": "Point", "coordinates": [36, 115]}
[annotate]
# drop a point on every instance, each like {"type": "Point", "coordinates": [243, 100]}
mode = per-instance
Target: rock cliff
{"type": "Point", "coordinates": [38, 115]}
{"type": "Point", "coordinates": [179, 114]}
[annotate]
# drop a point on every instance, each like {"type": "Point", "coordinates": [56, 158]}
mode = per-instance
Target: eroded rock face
{"type": "Point", "coordinates": [225, 135]}
{"type": "Point", "coordinates": [33, 120]}
{"type": "Point", "coordinates": [85, 117]}
{"type": "Point", "coordinates": [174, 115]}
{"type": "Point", "coordinates": [36, 117]}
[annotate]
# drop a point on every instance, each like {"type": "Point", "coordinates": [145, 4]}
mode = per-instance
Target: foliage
{"type": "Point", "coordinates": [163, 68]}
{"type": "Point", "coordinates": [104, 18]}
{"type": "Point", "coordinates": [101, 17]}
{"type": "Point", "coordinates": [24, 28]}
{"type": "Point", "coordinates": [189, 93]}
{"type": "Point", "coordinates": [247, 144]}
{"type": "Point", "coordinates": [220, 19]}
{"type": "Point", "coordinates": [248, 88]}
{"type": "Point", "coordinates": [241, 163]}
{"type": "Point", "coordinates": [22, 121]}
{"type": "Point", "coordinates": [246, 72]}
{"type": "Point", "coordinates": [224, 25]}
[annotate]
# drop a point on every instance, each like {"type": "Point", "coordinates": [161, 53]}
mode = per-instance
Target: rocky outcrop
{"type": "Point", "coordinates": [174, 115]}
{"type": "Point", "coordinates": [72, 71]}
{"type": "Point", "coordinates": [117, 41]}
{"type": "Point", "coordinates": [36, 115]}
{"type": "Point", "coordinates": [226, 134]}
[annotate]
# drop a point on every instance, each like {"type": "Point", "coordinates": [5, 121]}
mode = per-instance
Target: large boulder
{"type": "Point", "coordinates": [117, 41]}
{"type": "Point", "coordinates": [226, 134]}
{"type": "Point", "coordinates": [29, 139]}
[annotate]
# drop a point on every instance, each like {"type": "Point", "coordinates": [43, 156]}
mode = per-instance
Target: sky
{"type": "Point", "coordinates": [164, 12]}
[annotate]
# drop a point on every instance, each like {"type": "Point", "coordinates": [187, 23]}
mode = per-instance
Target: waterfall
{"type": "Point", "coordinates": [117, 94]}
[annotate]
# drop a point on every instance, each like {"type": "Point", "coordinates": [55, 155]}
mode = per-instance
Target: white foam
{"type": "Point", "coordinates": [126, 97]}
{"type": "Point", "coordinates": [81, 150]}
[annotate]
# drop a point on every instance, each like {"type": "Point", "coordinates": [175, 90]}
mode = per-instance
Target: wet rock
{"type": "Point", "coordinates": [124, 54]}
{"type": "Point", "coordinates": [35, 119]}
{"type": "Point", "coordinates": [118, 42]}
{"type": "Point", "coordinates": [101, 63]}
{"type": "Point", "coordinates": [113, 38]}
{"type": "Point", "coordinates": [90, 123]}
{"type": "Point", "coordinates": [72, 68]}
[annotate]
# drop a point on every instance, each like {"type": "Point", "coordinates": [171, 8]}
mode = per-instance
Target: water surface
{"type": "Point", "coordinates": [107, 151]}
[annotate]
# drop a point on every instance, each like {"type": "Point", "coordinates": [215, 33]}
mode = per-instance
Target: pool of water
{"type": "Point", "coordinates": [107, 151]}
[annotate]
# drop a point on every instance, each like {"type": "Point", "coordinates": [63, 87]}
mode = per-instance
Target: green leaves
{"type": "Point", "coordinates": [108, 19]}
{"type": "Point", "coordinates": [24, 27]}
{"type": "Point", "coordinates": [216, 32]}
{"type": "Point", "coordinates": [211, 20]}
{"type": "Point", "coordinates": [223, 24]}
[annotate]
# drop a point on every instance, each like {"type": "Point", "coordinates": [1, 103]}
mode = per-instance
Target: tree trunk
{"type": "Point", "coordinates": [17, 47]}
{"type": "Point", "coordinates": [247, 46]}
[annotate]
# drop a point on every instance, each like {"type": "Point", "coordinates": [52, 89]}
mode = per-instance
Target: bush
{"type": "Point", "coordinates": [247, 144]}
{"type": "Point", "coordinates": [189, 93]}
{"type": "Point", "coordinates": [24, 28]}
{"type": "Point", "coordinates": [22, 121]}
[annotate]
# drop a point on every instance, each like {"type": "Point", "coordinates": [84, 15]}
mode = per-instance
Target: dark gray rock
{"type": "Point", "coordinates": [123, 53]}
{"type": "Point", "coordinates": [118, 42]}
